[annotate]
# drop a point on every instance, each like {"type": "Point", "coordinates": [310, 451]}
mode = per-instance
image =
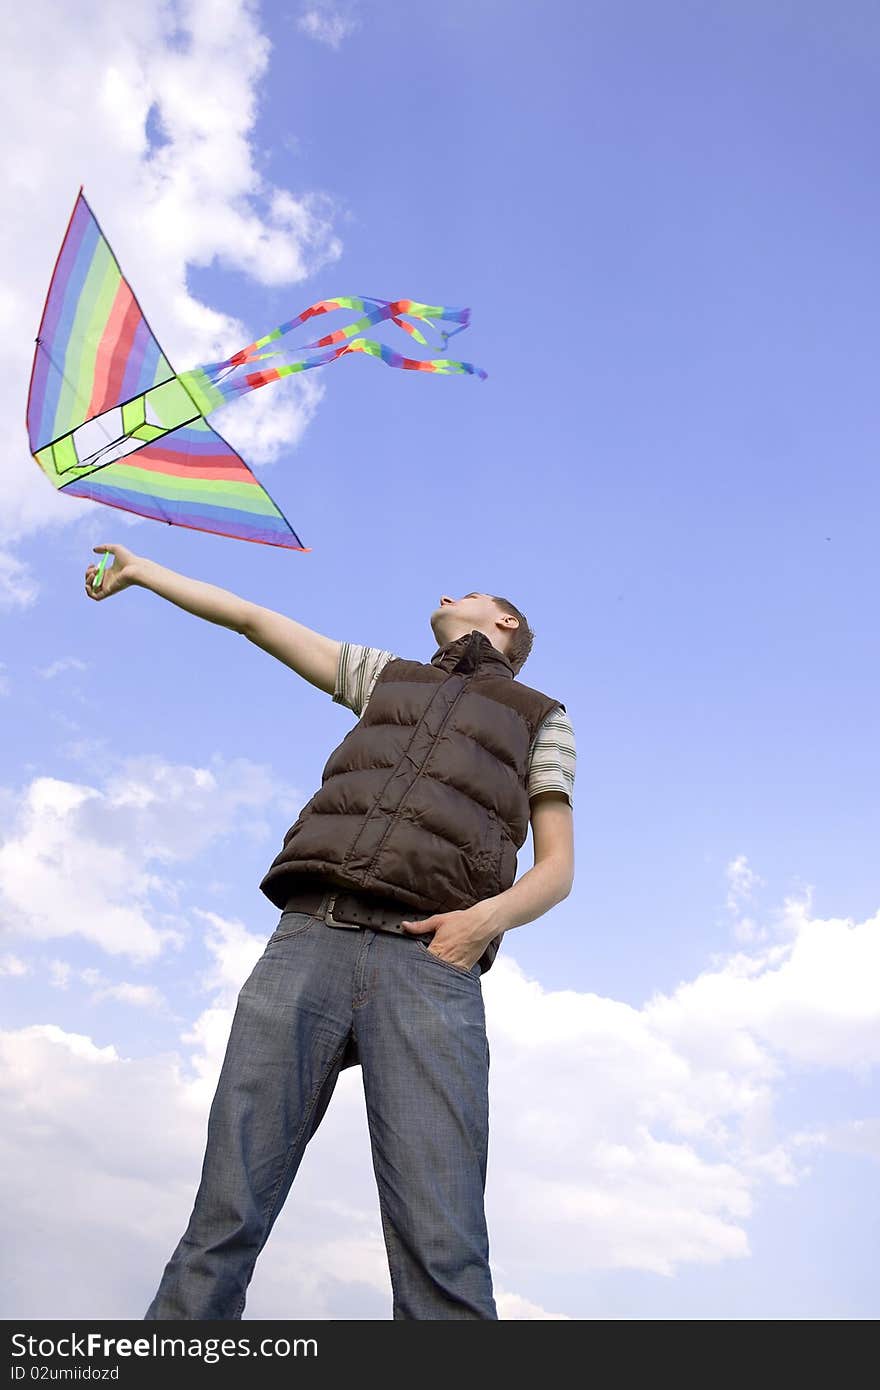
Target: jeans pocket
{"type": "Point", "coordinates": [291, 924]}
{"type": "Point", "coordinates": [472, 974]}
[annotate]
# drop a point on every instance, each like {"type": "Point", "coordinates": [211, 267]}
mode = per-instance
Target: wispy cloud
{"type": "Point", "coordinates": [13, 965]}
{"type": "Point", "coordinates": [18, 586]}
{"type": "Point", "coordinates": [327, 23]}
{"type": "Point", "coordinates": [66, 663]}
{"type": "Point", "coordinates": [860, 1137]}
{"type": "Point", "coordinates": [742, 882]}
{"type": "Point", "coordinates": [124, 992]}
{"type": "Point", "coordinates": [60, 972]}
{"type": "Point", "coordinates": [138, 996]}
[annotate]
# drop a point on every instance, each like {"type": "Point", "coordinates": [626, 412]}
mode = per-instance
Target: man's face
{"type": "Point", "coordinates": [456, 616]}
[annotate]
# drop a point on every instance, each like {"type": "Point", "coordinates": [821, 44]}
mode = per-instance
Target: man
{"type": "Point", "coordinates": [396, 885]}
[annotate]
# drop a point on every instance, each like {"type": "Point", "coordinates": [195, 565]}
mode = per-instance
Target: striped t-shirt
{"type": "Point", "coordinates": [552, 755]}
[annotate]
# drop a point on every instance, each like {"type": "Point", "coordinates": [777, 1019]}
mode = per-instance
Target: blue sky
{"type": "Point", "coordinates": [665, 222]}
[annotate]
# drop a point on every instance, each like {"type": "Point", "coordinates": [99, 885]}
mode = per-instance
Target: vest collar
{"type": "Point", "coordinates": [472, 651]}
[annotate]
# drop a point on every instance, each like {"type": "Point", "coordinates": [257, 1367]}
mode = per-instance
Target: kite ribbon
{"type": "Point", "coordinates": [214, 383]}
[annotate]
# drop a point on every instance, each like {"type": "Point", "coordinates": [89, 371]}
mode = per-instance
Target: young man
{"type": "Point", "coordinates": [396, 885]}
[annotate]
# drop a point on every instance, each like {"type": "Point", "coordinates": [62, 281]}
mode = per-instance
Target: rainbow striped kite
{"type": "Point", "coordinates": [110, 419]}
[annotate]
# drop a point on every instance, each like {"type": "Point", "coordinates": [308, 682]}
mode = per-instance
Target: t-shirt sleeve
{"type": "Point", "coordinates": [553, 756]}
{"type": "Point", "coordinates": [357, 671]}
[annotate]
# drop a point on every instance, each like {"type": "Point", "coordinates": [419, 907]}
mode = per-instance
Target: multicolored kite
{"type": "Point", "coordinates": [110, 419]}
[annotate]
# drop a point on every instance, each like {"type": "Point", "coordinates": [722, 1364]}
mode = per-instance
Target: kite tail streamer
{"type": "Point", "coordinates": [387, 309]}
{"type": "Point", "coordinates": [209, 393]}
{"type": "Point", "coordinates": [214, 383]}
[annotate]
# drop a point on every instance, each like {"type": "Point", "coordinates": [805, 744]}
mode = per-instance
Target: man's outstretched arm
{"type": "Point", "coordinates": [312, 655]}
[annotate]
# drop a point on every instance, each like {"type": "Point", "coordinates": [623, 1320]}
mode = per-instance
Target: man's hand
{"type": "Point", "coordinates": [119, 575]}
{"type": "Point", "coordinates": [461, 936]}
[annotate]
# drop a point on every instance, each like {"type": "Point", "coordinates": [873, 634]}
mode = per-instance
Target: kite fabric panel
{"type": "Point", "coordinates": [95, 348]}
{"type": "Point", "coordinates": [110, 420]}
{"type": "Point", "coordinates": [190, 477]}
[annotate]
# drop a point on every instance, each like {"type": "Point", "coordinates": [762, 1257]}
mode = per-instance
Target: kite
{"type": "Point", "coordinates": [109, 419]}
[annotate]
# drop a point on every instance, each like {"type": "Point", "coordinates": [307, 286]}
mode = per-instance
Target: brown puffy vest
{"type": "Point", "coordinates": [426, 799]}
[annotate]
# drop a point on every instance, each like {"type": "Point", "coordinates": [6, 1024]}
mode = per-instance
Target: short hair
{"type": "Point", "coordinates": [519, 641]}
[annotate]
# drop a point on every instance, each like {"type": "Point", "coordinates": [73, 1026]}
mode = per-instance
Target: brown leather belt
{"type": "Point", "coordinates": [339, 907]}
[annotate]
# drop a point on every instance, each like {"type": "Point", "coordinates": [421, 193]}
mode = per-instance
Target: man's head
{"type": "Point", "coordinates": [503, 624]}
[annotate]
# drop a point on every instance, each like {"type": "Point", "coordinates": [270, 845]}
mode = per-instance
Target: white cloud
{"type": "Point", "coordinates": [513, 1307]}
{"type": "Point", "coordinates": [18, 587]}
{"type": "Point", "coordinates": [66, 663]}
{"type": "Point", "coordinates": [13, 965]}
{"type": "Point", "coordinates": [4, 681]}
{"type": "Point", "coordinates": [260, 427]}
{"type": "Point", "coordinates": [811, 999]}
{"type": "Point", "coordinates": [60, 972]}
{"type": "Point", "coordinates": [860, 1137]}
{"type": "Point", "coordinates": [139, 996]}
{"type": "Point", "coordinates": [90, 861]}
{"type": "Point", "coordinates": [326, 23]}
{"type": "Point", "coordinates": [123, 991]}
{"type": "Point", "coordinates": [233, 952]}
{"type": "Point", "coordinates": [647, 1131]}
{"type": "Point", "coordinates": [622, 1137]}
{"type": "Point", "coordinates": [742, 882]}
{"type": "Point", "coordinates": [195, 195]}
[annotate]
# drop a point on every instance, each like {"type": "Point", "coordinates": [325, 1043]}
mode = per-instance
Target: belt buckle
{"type": "Point", "coordinates": [331, 920]}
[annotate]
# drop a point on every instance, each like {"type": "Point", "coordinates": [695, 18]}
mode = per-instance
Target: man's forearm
{"type": "Point", "coordinates": [193, 595]}
{"type": "Point", "coordinates": [539, 889]}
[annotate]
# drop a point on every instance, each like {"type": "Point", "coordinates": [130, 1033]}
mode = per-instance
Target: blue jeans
{"type": "Point", "coordinates": [319, 999]}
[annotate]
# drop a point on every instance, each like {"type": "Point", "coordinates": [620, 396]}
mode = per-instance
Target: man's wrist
{"type": "Point", "coordinates": [136, 572]}
{"type": "Point", "coordinates": [536, 892]}
{"type": "Point", "coordinates": [494, 917]}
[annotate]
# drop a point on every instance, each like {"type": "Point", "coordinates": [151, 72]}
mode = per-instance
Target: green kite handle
{"type": "Point", "coordinates": [96, 582]}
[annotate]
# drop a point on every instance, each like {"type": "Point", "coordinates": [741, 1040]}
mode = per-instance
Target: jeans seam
{"type": "Point", "coordinates": [297, 931]}
{"type": "Point", "coordinates": [292, 1147]}
{"type": "Point", "coordinates": [391, 1240]}
{"type": "Point", "coordinates": [391, 1243]}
